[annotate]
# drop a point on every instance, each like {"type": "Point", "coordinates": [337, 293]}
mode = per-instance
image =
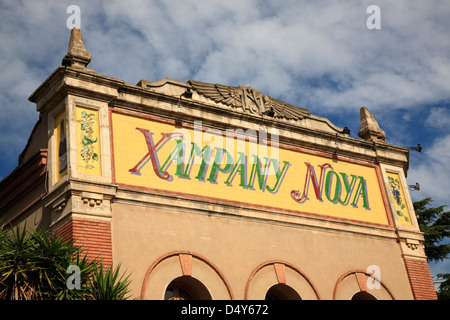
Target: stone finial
{"type": "Point", "coordinates": [77, 55]}
{"type": "Point", "coordinates": [369, 127]}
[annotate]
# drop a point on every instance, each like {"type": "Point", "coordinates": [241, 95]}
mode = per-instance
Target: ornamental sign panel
{"type": "Point", "coordinates": [242, 167]}
{"type": "Point", "coordinates": [88, 144]}
{"type": "Point", "coordinates": [398, 198]}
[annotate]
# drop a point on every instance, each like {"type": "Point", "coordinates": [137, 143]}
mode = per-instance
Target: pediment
{"type": "Point", "coordinates": [248, 100]}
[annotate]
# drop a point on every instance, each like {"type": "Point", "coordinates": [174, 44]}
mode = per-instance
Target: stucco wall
{"type": "Point", "coordinates": [315, 258]}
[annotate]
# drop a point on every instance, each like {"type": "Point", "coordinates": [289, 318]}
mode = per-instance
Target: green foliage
{"type": "Point", "coordinates": [33, 266]}
{"type": "Point", "coordinates": [444, 287]}
{"type": "Point", "coordinates": [108, 285]}
{"type": "Point", "coordinates": [435, 224]}
{"type": "Point", "coordinates": [17, 268]}
{"type": "Point", "coordinates": [54, 256]}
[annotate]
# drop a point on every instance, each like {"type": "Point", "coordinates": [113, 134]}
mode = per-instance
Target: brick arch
{"type": "Point", "coordinates": [185, 258]}
{"type": "Point", "coordinates": [279, 269]}
{"type": "Point", "coordinates": [361, 278]}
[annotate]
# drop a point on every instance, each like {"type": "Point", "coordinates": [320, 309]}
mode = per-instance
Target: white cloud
{"type": "Point", "coordinates": [254, 43]}
{"type": "Point", "coordinates": [280, 47]}
{"type": "Point", "coordinates": [433, 172]}
{"type": "Point", "coordinates": [318, 55]}
{"type": "Point", "coordinates": [431, 169]}
{"type": "Point", "coordinates": [439, 118]}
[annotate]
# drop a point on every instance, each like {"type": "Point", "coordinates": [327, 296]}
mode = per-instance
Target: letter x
{"type": "Point", "coordinates": [152, 153]}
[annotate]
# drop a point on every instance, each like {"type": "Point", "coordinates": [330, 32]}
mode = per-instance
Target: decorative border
{"type": "Point", "coordinates": [88, 130]}
{"type": "Point", "coordinates": [248, 205]}
{"type": "Point", "coordinates": [103, 173]}
{"type": "Point", "coordinates": [397, 191]}
{"type": "Point", "coordinates": [413, 225]}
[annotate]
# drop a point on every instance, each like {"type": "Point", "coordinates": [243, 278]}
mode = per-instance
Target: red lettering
{"type": "Point", "coordinates": [152, 153]}
{"type": "Point", "coordinates": [311, 177]}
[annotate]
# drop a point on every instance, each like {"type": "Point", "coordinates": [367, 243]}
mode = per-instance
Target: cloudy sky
{"type": "Point", "coordinates": [318, 55]}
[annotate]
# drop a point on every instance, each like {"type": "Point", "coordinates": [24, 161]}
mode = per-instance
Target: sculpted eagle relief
{"type": "Point", "coordinates": [248, 100]}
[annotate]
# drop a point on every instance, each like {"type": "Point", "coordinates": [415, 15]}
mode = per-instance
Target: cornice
{"type": "Point", "coordinates": [143, 98]}
{"type": "Point", "coordinates": [133, 197]}
{"type": "Point", "coordinates": [341, 145]}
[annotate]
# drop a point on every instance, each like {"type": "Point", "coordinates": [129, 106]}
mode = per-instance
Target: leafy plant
{"type": "Point", "coordinates": [33, 266]}
{"type": "Point", "coordinates": [17, 266]}
{"type": "Point", "coordinates": [444, 287]}
{"type": "Point", "coordinates": [108, 285]}
{"type": "Point", "coordinates": [435, 224]}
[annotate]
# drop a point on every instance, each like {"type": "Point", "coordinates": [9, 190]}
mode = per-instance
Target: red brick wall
{"type": "Point", "coordinates": [94, 236]}
{"type": "Point", "coordinates": [420, 279]}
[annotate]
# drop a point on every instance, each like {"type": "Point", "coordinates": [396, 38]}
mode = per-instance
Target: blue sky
{"type": "Point", "coordinates": [314, 54]}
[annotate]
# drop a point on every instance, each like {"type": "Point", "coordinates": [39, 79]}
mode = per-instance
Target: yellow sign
{"type": "Point", "coordinates": [229, 166]}
{"type": "Point", "coordinates": [398, 197]}
{"type": "Point", "coordinates": [88, 141]}
{"type": "Point", "coordinates": [61, 145]}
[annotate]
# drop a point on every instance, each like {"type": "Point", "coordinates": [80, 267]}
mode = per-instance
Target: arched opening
{"type": "Point", "coordinates": [186, 288]}
{"type": "Point", "coordinates": [282, 291]}
{"type": "Point", "coordinates": [363, 296]}
{"type": "Point", "coordinates": [349, 283]}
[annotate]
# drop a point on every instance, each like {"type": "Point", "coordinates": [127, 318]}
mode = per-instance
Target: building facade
{"type": "Point", "coordinates": [208, 191]}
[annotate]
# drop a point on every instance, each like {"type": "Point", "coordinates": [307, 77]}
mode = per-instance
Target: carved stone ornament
{"type": "Point", "coordinates": [77, 55]}
{"type": "Point", "coordinates": [91, 199]}
{"type": "Point", "coordinates": [60, 205]}
{"type": "Point", "coordinates": [248, 100]}
{"type": "Point", "coordinates": [370, 129]}
{"type": "Point", "coordinates": [412, 246]}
